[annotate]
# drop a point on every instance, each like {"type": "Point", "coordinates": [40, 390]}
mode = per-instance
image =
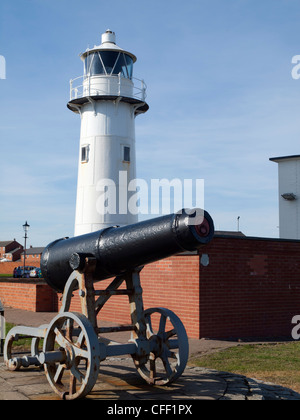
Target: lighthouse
{"type": "Point", "coordinates": [108, 98]}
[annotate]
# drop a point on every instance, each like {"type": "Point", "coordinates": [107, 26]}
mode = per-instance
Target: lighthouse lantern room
{"type": "Point", "coordinates": [108, 98]}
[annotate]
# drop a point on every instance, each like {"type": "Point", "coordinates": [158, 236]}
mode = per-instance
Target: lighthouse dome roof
{"type": "Point", "coordinates": [108, 44]}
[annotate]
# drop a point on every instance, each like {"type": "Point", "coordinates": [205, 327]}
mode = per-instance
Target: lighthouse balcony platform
{"type": "Point", "coordinates": [85, 89]}
{"type": "Point", "coordinates": [88, 86]}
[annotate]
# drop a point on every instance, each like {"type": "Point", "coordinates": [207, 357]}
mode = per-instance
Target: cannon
{"type": "Point", "coordinates": [72, 344]}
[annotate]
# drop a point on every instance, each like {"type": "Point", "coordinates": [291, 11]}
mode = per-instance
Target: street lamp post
{"type": "Point", "coordinates": [238, 223]}
{"type": "Point", "coordinates": [25, 227]}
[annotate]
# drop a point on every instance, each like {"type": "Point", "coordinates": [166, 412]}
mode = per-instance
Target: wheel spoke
{"type": "Point", "coordinates": [162, 324]}
{"type": "Point", "coordinates": [60, 339]}
{"type": "Point", "coordinates": [173, 344]}
{"type": "Point", "coordinates": [167, 366]}
{"type": "Point", "coordinates": [171, 354]}
{"type": "Point", "coordinates": [69, 329]}
{"type": "Point", "coordinates": [149, 327]}
{"type": "Point", "coordinates": [77, 374]}
{"type": "Point", "coordinates": [63, 342]}
{"type": "Point", "coordinates": [152, 369]}
{"type": "Point", "coordinates": [80, 352]}
{"type": "Point", "coordinates": [59, 374]}
{"type": "Point", "coordinates": [80, 340]}
{"type": "Point", "coordinates": [72, 389]}
{"type": "Point", "coordinates": [171, 333]}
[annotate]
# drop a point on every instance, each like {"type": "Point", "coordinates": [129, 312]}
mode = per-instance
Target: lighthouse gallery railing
{"type": "Point", "coordinates": [85, 86]}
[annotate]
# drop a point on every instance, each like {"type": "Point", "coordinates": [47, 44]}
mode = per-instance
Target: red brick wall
{"type": "Point", "coordinates": [172, 283]}
{"type": "Point", "coordinates": [250, 288]}
{"type": "Point", "coordinates": [29, 295]}
{"type": "Point", "coordinates": [33, 260]}
{"type": "Point", "coordinates": [7, 267]}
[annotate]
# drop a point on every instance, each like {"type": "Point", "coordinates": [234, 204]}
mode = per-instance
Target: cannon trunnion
{"type": "Point", "coordinates": [72, 344]}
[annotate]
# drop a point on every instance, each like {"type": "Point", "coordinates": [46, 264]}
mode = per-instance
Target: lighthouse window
{"type": "Point", "coordinates": [84, 154]}
{"type": "Point", "coordinates": [109, 59]}
{"type": "Point", "coordinates": [93, 65]}
{"type": "Point", "coordinates": [129, 64]}
{"type": "Point", "coordinates": [124, 65]}
{"type": "Point", "coordinates": [126, 154]}
{"type": "Point", "coordinates": [120, 66]}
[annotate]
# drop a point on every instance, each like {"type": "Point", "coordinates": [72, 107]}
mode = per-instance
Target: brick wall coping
{"type": "Point", "coordinates": [256, 238]}
{"type": "Point", "coordinates": [22, 281]}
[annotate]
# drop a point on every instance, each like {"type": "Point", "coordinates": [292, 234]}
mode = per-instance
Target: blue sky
{"type": "Point", "coordinates": [222, 102]}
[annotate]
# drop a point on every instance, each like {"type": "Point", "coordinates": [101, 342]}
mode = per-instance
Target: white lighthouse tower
{"type": "Point", "coordinates": [108, 99]}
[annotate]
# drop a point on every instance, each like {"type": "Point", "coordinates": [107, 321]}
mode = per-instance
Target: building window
{"type": "Point", "coordinates": [85, 153]}
{"type": "Point", "coordinates": [126, 154]}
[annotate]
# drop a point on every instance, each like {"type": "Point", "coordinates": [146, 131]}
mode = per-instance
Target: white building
{"type": "Point", "coordinates": [108, 98]}
{"type": "Point", "coordinates": [289, 196]}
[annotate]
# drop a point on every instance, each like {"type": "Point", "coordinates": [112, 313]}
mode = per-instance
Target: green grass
{"type": "Point", "coordinates": [6, 275]}
{"type": "Point", "coordinates": [276, 363]}
{"type": "Point", "coordinates": [25, 343]}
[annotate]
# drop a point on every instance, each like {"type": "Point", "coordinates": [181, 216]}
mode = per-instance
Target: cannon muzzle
{"type": "Point", "coordinates": [118, 250]}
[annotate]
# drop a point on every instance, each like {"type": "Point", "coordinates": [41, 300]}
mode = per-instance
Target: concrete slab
{"type": "Point", "coordinates": [117, 381]}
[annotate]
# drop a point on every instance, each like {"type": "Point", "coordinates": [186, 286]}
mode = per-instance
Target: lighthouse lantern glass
{"type": "Point", "coordinates": [108, 63]}
{"type": "Point", "coordinates": [129, 65]}
{"type": "Point", "coordinates": [93, 65]}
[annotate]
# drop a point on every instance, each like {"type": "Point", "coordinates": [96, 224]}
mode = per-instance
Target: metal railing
{"type": "Point", "coordinates": [81, 87]}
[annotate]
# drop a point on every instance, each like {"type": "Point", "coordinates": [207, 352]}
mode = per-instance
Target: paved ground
{"type": "Point", "coordinates": [118, 379]}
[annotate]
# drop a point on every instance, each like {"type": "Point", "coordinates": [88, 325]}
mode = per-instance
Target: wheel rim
{"type": "Point", "coordinates": [74, 335]}
{"type": "Point", "coordinates": [8, 356]}
{"type": "Point", "coordinates": [169, 348]}
{"type": "Point", "coordinates": [12, 355]}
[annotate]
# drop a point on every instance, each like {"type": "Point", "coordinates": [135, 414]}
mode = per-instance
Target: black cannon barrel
{"type": "Point", "coordinates": [120, 249]}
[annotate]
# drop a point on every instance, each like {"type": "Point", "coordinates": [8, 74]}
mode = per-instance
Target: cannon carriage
{"type": "Point", "coordinates": [72, 344]}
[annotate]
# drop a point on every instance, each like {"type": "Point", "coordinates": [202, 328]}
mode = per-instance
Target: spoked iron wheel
{"type": "Point", "coordinates": [16, 353]}
{"type": "Point", "coordinates": [71, 335]}
{"type": "Point", "coordinates": [169, 348]}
